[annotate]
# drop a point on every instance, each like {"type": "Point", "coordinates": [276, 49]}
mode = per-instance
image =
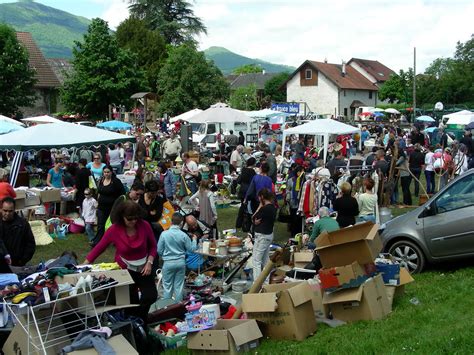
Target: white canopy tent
{"type": "Point", "coordinates": [321, 127]}
{"type": "Point", "coordinates": [41, 119]}
{"type": "Point", "coordinates": [220, 113]}
{"type": "Point", "coordinates": [463, 117]}
{"type": "Point", "coordinates": [11, 120]}
{"type": "Point", "coordinates": [265, 113]}
{"type": "Point", "coordinates": [186, 116]}
{"type": "Point", "coordinates": [60, 135]}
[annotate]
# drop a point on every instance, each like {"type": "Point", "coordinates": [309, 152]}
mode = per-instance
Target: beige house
{"type": "Point", "coordinates": [330, 89]}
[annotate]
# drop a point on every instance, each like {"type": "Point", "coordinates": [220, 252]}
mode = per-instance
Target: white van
{"type": "Point", "coordinates": [205, 134]}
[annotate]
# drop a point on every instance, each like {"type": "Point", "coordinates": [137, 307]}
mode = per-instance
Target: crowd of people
{"type": "Point", "coordinates": [362, 171]}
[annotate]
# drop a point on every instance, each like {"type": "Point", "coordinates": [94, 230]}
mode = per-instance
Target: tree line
{"type": "Point", "coordinates": [447, 80]}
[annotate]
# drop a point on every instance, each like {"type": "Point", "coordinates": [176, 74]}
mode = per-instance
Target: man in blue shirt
{"type": "Point", "coordinates": [172, 247]}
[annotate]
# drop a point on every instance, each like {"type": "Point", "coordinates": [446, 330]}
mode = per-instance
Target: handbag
{"type": "Point", "coordinates": [246, 222]}
{"type": "Point", "coordinates": [284, 214]}
{"type": "Point", "coordinates": [92, 183]}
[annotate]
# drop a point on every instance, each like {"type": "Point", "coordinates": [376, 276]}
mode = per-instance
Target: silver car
{"type": "Point", "coordinates": [440, 230]}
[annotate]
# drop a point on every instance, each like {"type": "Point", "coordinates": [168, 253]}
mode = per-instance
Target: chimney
{"type": "Point", "coordinates": [326, 60]}
{"type": "Point", "coordinates": [343, 71]}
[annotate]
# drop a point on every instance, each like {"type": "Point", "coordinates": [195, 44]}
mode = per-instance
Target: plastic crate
{"type": "Point", "coordinates": [174, 342]}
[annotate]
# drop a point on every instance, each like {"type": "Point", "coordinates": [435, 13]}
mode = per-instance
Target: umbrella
{"type": "Point", "coordinates": [392, 110]}
{"type": "Point", "coordinates": [431, 129]}
{"type": "Point", "coordinates": [378, 114]}
{"type": "Point", "coordinates": [470, 126]}
{"type": "Point", "coordinates": [425, 119]}
{"type": "Point", "coordinates": [115, 125]}
{"type": "Point", "coordinates": [42, 119]}
{"type": "Point", "coordinates": [376, 109]}
{"type": "Point", "coordinates": [10, 120]}
{"type": "Point", "coordinates": [7, 127]}
{"type": "Point", "coordinates": [366, 114]}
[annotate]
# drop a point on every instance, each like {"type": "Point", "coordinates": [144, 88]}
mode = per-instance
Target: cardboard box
{"type": "Point", "coordinates": [20, 199]}
{"type": "Point", "coordinates": [49, 195]}
{"type": "Point", "coordinates": [303, 258]}
{"type": "Point", "coordinates": [367, 302]}
{"type": "Point", "coordinates": [360, 243]}
{"type": "Point", "coordinates": [399, 290]}
{"type": "Point", "coordinates": [106, 299]}
{"type": "Point", "coordinates": [320, 310]}
{"type": "Point", "coordinates": [286, 310]}
{"type": "Point", "coordinates": [32, 199]}
{"type": "Point", "coordinates": [227, 337]}
{"type": "Point", "coordinates": [118, 343]}
{"type": "Point", "coordinates": [390, 273]}
{"type": "Point", "coordinates": [341, 277]}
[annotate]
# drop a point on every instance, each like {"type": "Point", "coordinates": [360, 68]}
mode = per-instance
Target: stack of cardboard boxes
{"type": "Point", "coordinates": [353, 289]}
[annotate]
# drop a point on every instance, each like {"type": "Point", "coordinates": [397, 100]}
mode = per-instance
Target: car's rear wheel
{"type": "Point", "coordinates": [409, 255]}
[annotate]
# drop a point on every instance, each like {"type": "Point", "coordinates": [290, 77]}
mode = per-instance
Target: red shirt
{"type": "Point", "coordinates": [139, 246]}
{"type": "Point", "coordinates": [6, 190]}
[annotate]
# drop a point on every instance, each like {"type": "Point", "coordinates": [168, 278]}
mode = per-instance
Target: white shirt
{"type": "Point", "coordinates": [89, 207]}
{"type": "Point", "coordinates": [188, 168]}
{"type": "Point", "coordinates": [235, 157]}
{"type": "Point", "coordinates": [114, 157]}
{"type": "Point", "coordinates": [429, 161]}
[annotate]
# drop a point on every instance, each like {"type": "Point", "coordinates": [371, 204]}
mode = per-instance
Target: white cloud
{"type": "Point", "coordinates": [290, 32]}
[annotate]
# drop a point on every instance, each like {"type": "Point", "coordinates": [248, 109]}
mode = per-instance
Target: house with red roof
{"type": "Point", "coordinates": [331, 89]}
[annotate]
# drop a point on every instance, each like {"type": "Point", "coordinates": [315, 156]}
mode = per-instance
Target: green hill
{"type": "Point", "coordinates": [53, 30]}
{"type": "Point", "coordinates": [227, 61]}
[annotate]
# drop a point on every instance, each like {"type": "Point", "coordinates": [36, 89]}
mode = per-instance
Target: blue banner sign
{"type": "Point", "coordinates": [292, 108]}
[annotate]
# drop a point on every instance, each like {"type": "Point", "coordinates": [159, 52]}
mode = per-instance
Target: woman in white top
{"type": "Point", "coordinates": [429, 171]}
{"type": "Point", "coordinates": [205, 202]}
{"type": "Point", "coordinates": [367, 202]}
{"type": "Point", "coordinates": [461, 160]}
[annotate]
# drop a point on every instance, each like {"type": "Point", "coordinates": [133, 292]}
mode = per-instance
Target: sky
{"type": "Point", "coordinates": [292, 31]}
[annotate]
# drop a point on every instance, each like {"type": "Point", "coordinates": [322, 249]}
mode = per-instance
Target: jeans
{"type": "Point", "coordinates": [261, 250]}
{"type": "Point", "coordinates": [173, 279]}
{"type": "Point", "coordinates": [443, 180]}
{"type": "Point", "coordinates": [417, 173]}
{"type": "Point", "coordinates": [118, 169]}
{"type": "Point", "coordinates": [366, 218]}
{"type": "Point", "coordinates": [430, 181]}
{"type": "Point", "coordinates": [90, 232]}
{"type": "Point", "coordinates": [405, 182]}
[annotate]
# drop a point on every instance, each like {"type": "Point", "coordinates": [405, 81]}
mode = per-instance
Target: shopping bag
{"type": "Point", "coordinates": [284, 214]}
{"type": "Point", "coordinates": [92, 183]}
{"type": "Point", "coordinates": [165, 220]}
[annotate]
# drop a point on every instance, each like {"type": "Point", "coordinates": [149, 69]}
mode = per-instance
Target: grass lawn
{"type": "Point", "coordinates": [441, 323]}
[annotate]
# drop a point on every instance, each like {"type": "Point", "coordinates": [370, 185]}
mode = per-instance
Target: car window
{"type": "Point", "coordinates": [211, 129]}
{"type": "Point", "coordinates": [459, 195]}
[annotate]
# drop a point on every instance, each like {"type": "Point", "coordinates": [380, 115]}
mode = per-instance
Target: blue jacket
{"type": "Point", "coordinates": [174, 244]}
{"type": "Point", "coordinates": [170, 183]}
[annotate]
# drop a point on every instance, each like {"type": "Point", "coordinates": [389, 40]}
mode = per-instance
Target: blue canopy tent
{"type": "Point", "coordinates": [7, 127]}
{"type": "Point", "coordinates": [115, 125]}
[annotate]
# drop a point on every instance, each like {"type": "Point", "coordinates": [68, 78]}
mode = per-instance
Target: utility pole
{"type": "Point", "coordinates": [414, 84]}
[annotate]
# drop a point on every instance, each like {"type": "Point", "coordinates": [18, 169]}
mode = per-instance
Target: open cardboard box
{"type": "Point", "coordinates": [320, 310]}
{"type": "Point", "coordinates": [367, 302]}
{"type": "Point", "coordinates": [340, 277]}
{"type": "Point", "coordinates": [106, 299]}
{"type": "Point", "coordinates": [20, 199]}
{"type": "Point", "coordinates": [228, 337]}
{"type": "Point", "coordinates": [360, 243]}
{"type": "Point", "coordinates": [302, 258]}
{"type": "Point", "coordinates": [398, 290]}
{"type": "Point", "coordinates": [48, 195]}
{"type": "Point", "coordinates": [285, 310]}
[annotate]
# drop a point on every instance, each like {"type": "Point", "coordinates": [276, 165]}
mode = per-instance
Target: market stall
{"type": "Point", "coordinates": [322, 127]}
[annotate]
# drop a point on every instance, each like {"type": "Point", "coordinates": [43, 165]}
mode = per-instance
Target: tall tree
{"type": "Point", "coordinates": [103, 73]}
{"type": "Point", "coordinates": [273, 88]}
{"type": "Point", "coordinates": [16, 77]}
{"type": "Point", "coordinates": [247, 69]}
{"type": "Point", "coordinates": [148, 45]}
{"type": "Point", "coordinates": [245, 98]}
{"type": "Point", "coordinates": [174, 19]}
{"type": "Point", "coordinates": [398, 87]}
{"type": "Point", "coordinates": [187, 80]}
